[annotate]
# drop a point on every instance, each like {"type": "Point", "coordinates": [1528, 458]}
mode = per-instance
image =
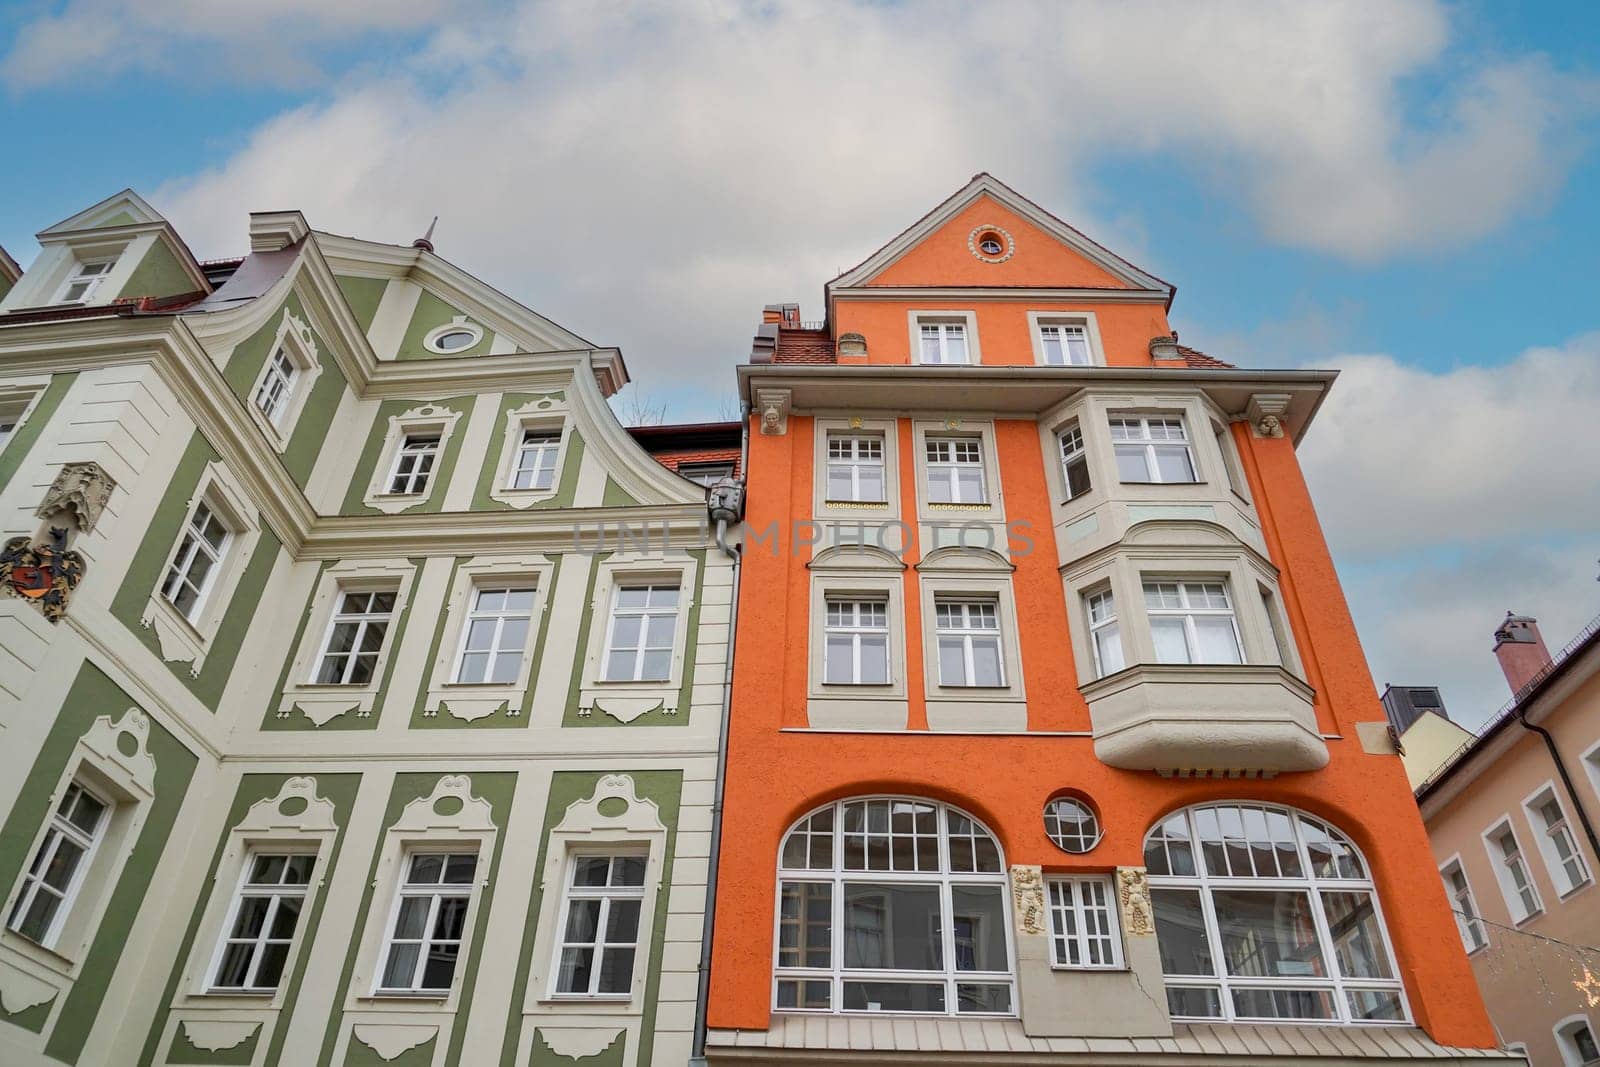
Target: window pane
{"type": "Point", "coordinates": [591, 870]}
{"type": "Point", "coordinates": [1268, 934]}
{"type": "Point", "coordinates": [413, 918]}
{"type": "Point", "coordinates": [627, 870]}
{"type": "Point", "coordinates": [1357, 937]}
{"type": "Point", "coordinates": [1184, 1003]}
{"type": "Point", "coordinates": [893, 996]}
{"type": "Point", "coordinates": [440, 966]}
{"type": "Point", "coordinates": [1173, 462]}
{"type": "Point", "coordinates": [1218, 643]}
{"type": "Point", "coordinates": [426, 868]}
{"type": "Point", "coordinates": [401, 966]}
{"type": "Point", "coordinates": [952, 661]}
{"type": "Point", "coordinates": [583, 920]}
{"type": "Point", "coordinates": [892, 927]}
{"type": "Point", "coordinates": [1283, 1003]}
{"type": "Point", "coordinates": [576, 967]}
{"type": "Point", "coordinates": [1181, 932]}
{"type": "Point", "coordinates": [983, 999]}
{"type": "Point", "coordinates": [874, 659]}
{"type": "Point", "coordinates": [804, 995]}
{"type": "Point", "coordinates": [979, 924]}
{"type": "Point", "coordinates": [273, 957]}
{"type": "Point", "coordinates": [1375, 1005]}
{"type": "Point", "coordinates": [616, 970]}
{"type": "Point", "coordinates": [1131, 466]}
{"type": "Point", "coordinates": [1171, 644]}
{"type": "Point", "coordinates": [805, 924]}
{"type": "Point", "coordinates": [235, 965]}
{"type": "Point", "coordinates": [986, 661]}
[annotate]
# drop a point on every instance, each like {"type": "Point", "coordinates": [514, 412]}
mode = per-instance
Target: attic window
{"type": "Point", "coordinates": [457, 335]}
{"type": "Point", "coordinates": [991, 244]}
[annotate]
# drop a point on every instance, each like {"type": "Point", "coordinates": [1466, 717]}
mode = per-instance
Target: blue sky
{"type": "Point", "coordinates": [1409, 192]}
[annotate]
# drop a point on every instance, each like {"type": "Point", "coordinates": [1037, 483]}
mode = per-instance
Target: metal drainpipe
{"type": "Point", "coordinates": [697, 1055]}
{"type": "Point", "coordinates": [1566, 781]}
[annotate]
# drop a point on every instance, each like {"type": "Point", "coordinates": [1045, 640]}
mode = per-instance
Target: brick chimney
{"type": "Point", "coordinates": [1520, 649]}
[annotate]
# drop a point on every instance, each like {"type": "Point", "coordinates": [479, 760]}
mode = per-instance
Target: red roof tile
{"type": "Point", "coordinates": [1196, 358]}
{"type": "Point", "coordinates": [804, 346]}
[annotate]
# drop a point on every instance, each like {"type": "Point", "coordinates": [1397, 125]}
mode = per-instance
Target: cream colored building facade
{"type": "Point", "coordinates": [382, 726]}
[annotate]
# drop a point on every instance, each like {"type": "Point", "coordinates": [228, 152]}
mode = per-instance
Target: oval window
{"type": "Point", "coordinates": [454, 340]}
{"type": "Point", "coordinates": [1071, 824]}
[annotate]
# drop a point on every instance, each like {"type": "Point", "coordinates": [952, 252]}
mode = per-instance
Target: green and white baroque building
{"type": "Point", "coordinates": [382, 727]}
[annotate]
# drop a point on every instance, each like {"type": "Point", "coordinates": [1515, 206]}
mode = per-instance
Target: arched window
{"type": "Point", "coordinates": [1265, 913]}
{"type": "Point", "coordinates": [892, 904]}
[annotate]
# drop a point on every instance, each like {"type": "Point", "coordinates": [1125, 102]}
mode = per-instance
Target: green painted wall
{"type": "Point", "coordinates": [184, 1051]}
{"type": "Point", "coordinates": [497, 787]}
{"type": "Point", "coordinates": [566, 789]}
{"type": "Point", "coordinates": [372, 451]}
{"type": "Point", "coordinates": [431, 312]}
{"type": "Point", "coordinates": [338, 788]}
{"type": "Point", "coordinates": [444, 720]}
{"type": "Point", "coordinates": [616, 496]}
{"type": "Point", "coordinates": [357, 1054]}
{"type": "Point", "coordinates": [144, 575]}
{"type": "Point", "coordinates": [297, 719]}
{"type": "Point", "coordinates": [159, 273]}
{"type": "Point", "coordinates": [29, 1019]}
{"type": "Point", "coordinates": [316, 415]}
{"type": "Point", "coordinates": [571, 462]}
{"type": "Point", "coordinates": [613, 1055]}
{"type": "Point", "coordinates": [363, 295]}
{"type": "Point", "coordinates": [654, 717]}
{"type": "Point", "coordinates": [91, 695]}
{"type": "Point", "coordinates": [22, 441]}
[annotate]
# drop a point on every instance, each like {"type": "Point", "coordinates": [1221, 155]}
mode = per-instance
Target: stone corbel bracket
{"type": "Point", "coordinates": [774, 407]}
{"type": "Point", "coordinates": [80, 490]}
{"type": "Point", "coordinates": [1266, 411]}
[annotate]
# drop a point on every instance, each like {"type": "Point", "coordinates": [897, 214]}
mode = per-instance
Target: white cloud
{"type": "Point", "coordinates": [652, 176]}
{"type": "Point", "coordinates": [1450, 498]}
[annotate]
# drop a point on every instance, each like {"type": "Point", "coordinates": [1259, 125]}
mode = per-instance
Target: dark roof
{"type": "Point", "coordinates": [682, 443]}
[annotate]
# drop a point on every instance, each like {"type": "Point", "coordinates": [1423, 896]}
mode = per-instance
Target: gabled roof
{"type": "Point", "coordinates": [108, 212]}
{"type": "Point", "coordinates": [985, 184]}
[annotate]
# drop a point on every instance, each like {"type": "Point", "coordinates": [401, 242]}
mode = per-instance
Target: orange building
{"type": "Point", "coordinates": [1051, 738]}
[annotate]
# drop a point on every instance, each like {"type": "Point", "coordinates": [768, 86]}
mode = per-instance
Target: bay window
{"type": "Point", "coordinates": [1152, 448]}
{"type": "Point", "coordinates": [1074, 460]}
{"type": "Point", "coordinates": [1192, 622]}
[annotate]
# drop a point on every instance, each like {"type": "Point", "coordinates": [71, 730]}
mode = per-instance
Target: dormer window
{"type": "Point", "coordinates": [85, 279]}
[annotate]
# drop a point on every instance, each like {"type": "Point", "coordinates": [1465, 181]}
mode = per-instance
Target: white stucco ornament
{"type": "Point", "coordinates": [1133, 894]}
{"type": "Point", "coordinates": [578, 1043]}
{"type": "Point", "coordinates": [1027, 899]}
{"type": "Point", "coordinates": [20, 991]}
{"type": "Point", "coordinates": [210, 1035]}
{"type": "Point", "coordinates": [389, 1041]}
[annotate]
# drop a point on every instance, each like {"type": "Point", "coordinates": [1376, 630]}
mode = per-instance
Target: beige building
{"type": "Point", "coordinates": [1511, 814]}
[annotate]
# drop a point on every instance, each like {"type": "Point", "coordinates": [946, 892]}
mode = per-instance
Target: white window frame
{"type": "Point", "coordinates": [415, 445]}
{"type": "Point", "coordinates": [428, 419]}
{"type": "Point", "coordinates": [1334, 982]}
{"type": "Point", "coordinates": [293, 345]}
{"type": "Point", "coordinates": [944, 331]}
{"type": "Point", "coordinates": [945, 470]}
{"type": "Point", "coordinates": [1550, 838]}
{"type": "Point", "coordinates": [276, 386]}
{"type": "Point", "coordinates": [968, 634]}
{"type": "Point", "coordinates": [363, 619]}
{"type": "Point", "coordinates": [17, 402]}
{"type": "Point", "coordinates": [707, 472]}
{"type": "Point", "coordinates": [615, 611]}
{"type": "Point", "coordinates": [276, 894]}
{"type": "Point", "coordinates": [435, 892]}
{"type": "Point", "coordinates": [546, 449]}
{"type": "Point", "coordinates": [1085, 321]}
{"type": "Point", "coordinates": [1187, 612]}
{"type": "Point", "coordinates": [430, 340]}
{"type": "Point", "coordinates": [1147, 443]}
{"type": "Point", "coordinates": [1464, 905]}
{"type": "Point", "coordinates": [1073, 897]}
{"type": "Point", "coordinates": [59, 827]}
{"type": "Point", "coordinates": [606, 895]}
{"type": "Point", "coordinates": [1565, 1032]}
{"type": "Point", "coordinates": [944, 879]}
{"type": "Point", "coordinates": [192, 544]}
{"type": "Point", "coordinates": [853, 461]}
{"type": "Point", "coordinates": [1073, 451]}
{"type": "Point", "coordinates": [1504, 872]}
{"type": "Point", "coordinates": [77, 275]}
{"type": "Point", "coordinates": [856, 630]}
{"type": "Point", "coordinates": [1107, 623]}
{"type": "Point", "coordinates": [474, 613]}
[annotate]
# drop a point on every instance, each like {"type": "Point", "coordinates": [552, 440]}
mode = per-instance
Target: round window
{"type": "Point", "coordinates": [990, 244]}
{"type": "Point", "coordinates": [454, 340]}
{"type": "Point", "coordinates": [1071, 824]}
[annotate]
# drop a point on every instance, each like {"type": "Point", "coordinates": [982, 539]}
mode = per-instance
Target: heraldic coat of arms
{"type": "Point", "coordinates": [43, 573]}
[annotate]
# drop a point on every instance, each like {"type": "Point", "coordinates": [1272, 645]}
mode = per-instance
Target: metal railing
{"type": "Point", "coordinates": [1510, 707]}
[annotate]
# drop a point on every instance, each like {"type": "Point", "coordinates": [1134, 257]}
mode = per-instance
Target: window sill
{"type": "Point", "coordinates": [51, 959]}
{"type": "Point", "coordinates": [1195, 482]}
{"type": "Point", "coordinates": [392, 995]}
{"type": "Point", "coordinates": [587, 998]}
{"type": "Point", "coordinates": [1576, 890]}
{"type": "Point", "coordinates": [250, 996]}
{"type": "Point", "coordinates": [1078, 968]}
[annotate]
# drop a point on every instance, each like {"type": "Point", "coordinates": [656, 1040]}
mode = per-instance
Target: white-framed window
{"type": "Point", "coordinates": [1192, 622]}
{"type": "Point", "coordinates": [1065, 344]}
{"type": "Point", "coordinates": [356, 632]}
{"type": "Point", "coordinates": [535, 466]}
{"type": "Point", "coordinates": [857, 641]}
{"type": "Point", "coordinates": [194, 566]}
{"type": "Point", "coordinates": [15, 403]}
{"type": "Point", "coordinates": [1152, 448]}
{"type": "Point", "coordinates": [1071, 825]}
{"type": "Point", "coordinates": [892, 904]}
{"type": "Point", "coordinates": [955, 470]}
{"type": "Point", "coordinates": [1465, 906]}
{"type": "Point", "coordinates": [1576, 1041]}
{"type": "Point", "coordinates": [413, 464]}
{"type": "Point", "coordinates": [495, 636]}
{"type": "Point", "coordinates": [639, 637]}
{"type": "Point", "coordinates": [1074, 460]}
{"type": "Point", "coordinates": [1105, 633]}
{"type": "Point", "coordinates": [429, 922]}
{"type": "Point", "coordinates": [1266, 914]}
{"type": "Point", "coordinates": [276, 388]}
{"type": "Point", "coordinates": [1230, 461]}
{"type": "Point", "coordinates": [262, 920]}
{"type": "Point", "coordinates": [1556, 844]}
{"type": "Point", "coordinates": [968, 633]}
{"type": "Point", "coordinates": [600, 926]}
{"type": "Point", "coordinates": [52, 881]}
{"type": "Point", "coordinates": [1083, 923]}
{"type": "Point", "coordinates": [706, 474]}
{"type": "Point", "coordinates": [1511, 871]}
{"type": "Point", "coordinates": [855, 468]}
{"type": "Point", "coordinates": [85, 279]}
{"type": "Point", "coordinates": [942, 342]}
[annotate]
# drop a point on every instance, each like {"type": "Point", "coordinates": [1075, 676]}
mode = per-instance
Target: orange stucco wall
{"type": "Point", "coordinates": [777, 772]}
